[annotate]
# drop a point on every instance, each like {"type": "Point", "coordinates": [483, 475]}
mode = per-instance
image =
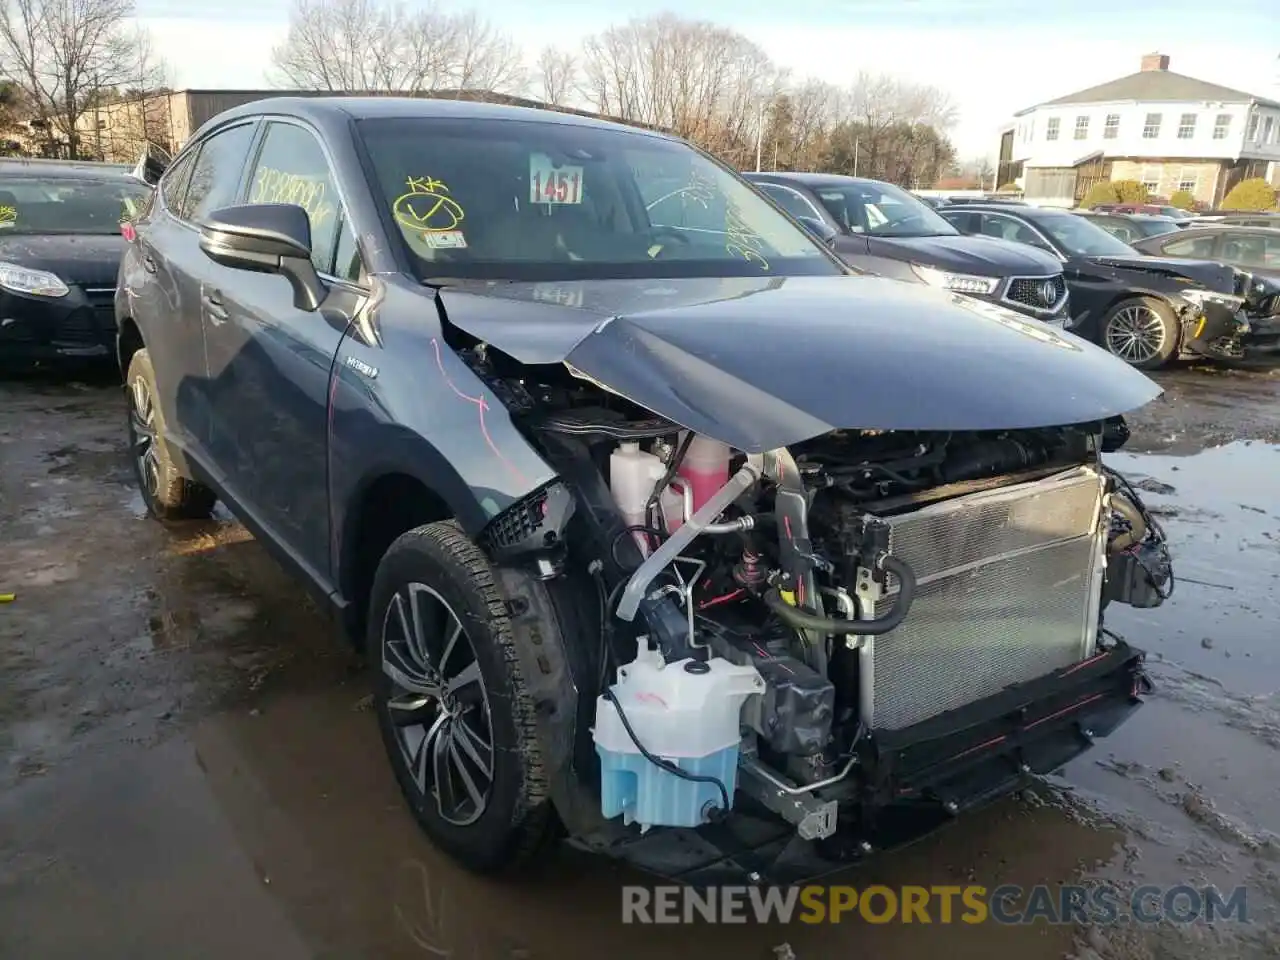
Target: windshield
{"type": "Point", "coordinates": [882, 210]}
{"type": "Point", "coordinates": [1081, 238]}
{"type": "Point", "coordinates": [44, 205]}
{"type": "Point", "coordinates": [536, 200]}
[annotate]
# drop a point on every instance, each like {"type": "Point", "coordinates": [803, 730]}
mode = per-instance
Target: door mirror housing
{"type": "Point", "coordinates": [266, 238]}
{"type": "Point", "coordinates": [820, 229]}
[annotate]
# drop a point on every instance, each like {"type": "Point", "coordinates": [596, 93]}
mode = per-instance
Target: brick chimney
{"type": "Point", "coordinates": [1155, 61]}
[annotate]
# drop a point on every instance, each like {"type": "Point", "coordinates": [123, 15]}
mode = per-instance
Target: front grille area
{"type": "Point", "coordinates": [78, 327]}
{"type": "Point", "coordinates": [1008, 584]}
{"type": "Point", "coordinates": [91, 325]}
{"type": "Point", "coordinates": [1038, 293]}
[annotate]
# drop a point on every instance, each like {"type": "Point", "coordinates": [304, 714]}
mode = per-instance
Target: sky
{"type": "Point", "coordinates": [993, 57]}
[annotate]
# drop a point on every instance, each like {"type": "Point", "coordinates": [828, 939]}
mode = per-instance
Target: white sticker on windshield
{"type": "Point", "coordinates": [551, 184]}
{"type": "Point", "coordinates": [445, 239]}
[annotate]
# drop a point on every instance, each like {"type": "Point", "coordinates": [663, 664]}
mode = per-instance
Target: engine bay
{"type": "Point", "coordinates": [765, 616]}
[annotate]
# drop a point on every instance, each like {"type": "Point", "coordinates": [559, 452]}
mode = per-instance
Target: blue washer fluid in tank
{"type": "Point", "coordinates": [687, 712]}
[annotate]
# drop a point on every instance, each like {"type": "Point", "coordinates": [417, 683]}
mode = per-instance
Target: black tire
{"type": "Point", "coordinates": [518, 819]}
{"type": "Point", "coordinates": [1130, 320]}
{"type": "Point", "coordinates": [167, 493]}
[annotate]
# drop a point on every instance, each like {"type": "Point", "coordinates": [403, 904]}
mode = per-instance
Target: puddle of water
{"type": "Point", "coordinates": [1222, 516]}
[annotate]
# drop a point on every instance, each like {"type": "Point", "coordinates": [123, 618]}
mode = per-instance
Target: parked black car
{"type": "Point", "coordinates": [1131, 227]}
{"type": "Point", "coordinates": [883, 229]}
{"type": "Point", "coordinates": [1254, 250]}
{"type": "Point", "coordinates": [511, 390]}
{"type": "Point", "coordinates": [60, 249]}
{"type": "Point", "coordinates": [1145, 310]}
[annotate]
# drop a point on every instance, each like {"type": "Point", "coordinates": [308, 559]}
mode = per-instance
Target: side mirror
{"type": "Point", "coordinates": [820, 229]}
{"type": "Point", "coordinates": [266, 238]}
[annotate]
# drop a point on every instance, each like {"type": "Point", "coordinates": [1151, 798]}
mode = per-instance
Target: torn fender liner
{"type": "Point", "coordinates": [767, 363]}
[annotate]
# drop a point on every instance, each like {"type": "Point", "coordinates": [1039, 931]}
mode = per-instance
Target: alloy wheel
{"type": "Point", "coordinates": [143, 434]}
{"type": "Point", "coordinates": [1136, 334]}
{"type": "Point", "coordinates": [438, 704]}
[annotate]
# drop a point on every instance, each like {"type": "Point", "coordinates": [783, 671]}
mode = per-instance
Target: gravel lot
{"type": "Point", "coordinates": [188, 767]}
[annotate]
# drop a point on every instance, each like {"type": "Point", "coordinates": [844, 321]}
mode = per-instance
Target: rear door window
{"type": "Point", "coordinates": [173, 185]}
{"type": "Point", "coordinates": [215, 178]}
{"type": "Point", "coordinates": [1197, 248]}
{"type": "Point", "coordinates": [1251, 250]}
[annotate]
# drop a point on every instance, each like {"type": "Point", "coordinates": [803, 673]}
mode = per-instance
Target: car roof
{"type": "Point", "coordinates": [814, 179]}
{"type": "Point", "coordinates": [326, 110]}
{"type": "Point", "coordinates": [1123, 215]}
{"type": "Point", "coordinates": [36, 169]}
{"type": "Point", "coordinates": [1227, 228]}
{"type": "Point", "coordinates": [1016, 208]}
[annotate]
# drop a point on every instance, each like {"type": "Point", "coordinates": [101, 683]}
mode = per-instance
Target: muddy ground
{"type": "Point", "coordinates": [188, 767]}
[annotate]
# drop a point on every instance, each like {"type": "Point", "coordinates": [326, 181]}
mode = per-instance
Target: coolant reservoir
{"type": "Point", "coordinates": [705, 468]}
{"type": "Point", "coordinates": [687, 712]}
{"type": "Point", "coordinates": [633, 474]}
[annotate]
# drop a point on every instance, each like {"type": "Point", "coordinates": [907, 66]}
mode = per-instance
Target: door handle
{"type": "Point", "coordinates": [213, 306]}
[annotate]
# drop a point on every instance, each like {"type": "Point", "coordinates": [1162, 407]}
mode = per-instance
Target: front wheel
{"type": "Point", "coordinates": [167, 493]}
{"type": "Point", "coordinates": [455, 712]}
{"type": "Point", "coordinates": [1141, 331]}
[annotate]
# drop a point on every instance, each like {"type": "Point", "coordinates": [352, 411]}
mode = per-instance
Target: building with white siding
{"type": "Point", "coordinates": [1169, 131]}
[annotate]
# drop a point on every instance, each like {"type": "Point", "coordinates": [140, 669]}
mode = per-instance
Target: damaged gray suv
{"type": "Point", "coordinates": [663, 531]}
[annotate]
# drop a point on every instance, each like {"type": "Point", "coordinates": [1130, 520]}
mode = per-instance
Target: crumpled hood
{"type": "Point", "coordinates": [90, 259]}
{"type": "Point", "coordinates": [763, 363]}
{"type": "Point", "coordinates": [1206, 273]}
{"type": "Point", "coordinates": [985, 256]}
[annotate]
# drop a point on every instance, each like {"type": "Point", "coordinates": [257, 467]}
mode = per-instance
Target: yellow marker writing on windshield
{"type": "Point", "coordinates": [427, 207]}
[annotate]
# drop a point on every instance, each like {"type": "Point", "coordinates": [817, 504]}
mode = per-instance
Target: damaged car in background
{"type": "Point", "coordinates": [688, 545]}
{"type": "Point", "coordinates": [1145, 310]}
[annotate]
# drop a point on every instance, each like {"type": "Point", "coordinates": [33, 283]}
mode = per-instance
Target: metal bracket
{"type": "Point", "coordinates": [814, 819]}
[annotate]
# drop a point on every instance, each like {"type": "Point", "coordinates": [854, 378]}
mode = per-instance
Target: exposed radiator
{"type": "Point", "coordinates": [1008, 590]}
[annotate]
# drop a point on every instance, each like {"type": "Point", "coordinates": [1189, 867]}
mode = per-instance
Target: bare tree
{"type": "Point", "coordinates": [486, 58]}
{"type": "Point", "coordinates": [800, 121]}
{"type": "Point", "coordinates": [714, 86]}
{"type": "Point", "coordinates": [64, 54]}
{"type": "Point", "coordinates": [381, 45]}
{"type": "Point", "coordinates": [701, 80]}
{"type": "Point", "coordinates": [556, 76]}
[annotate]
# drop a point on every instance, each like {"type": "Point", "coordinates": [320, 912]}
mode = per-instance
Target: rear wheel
{"type": "Point", "coordinates": [1141, 331]}
{"type": "Point", "coordinates": [455, 713]}
{"type": "Point", "coordinates": [167, 493]}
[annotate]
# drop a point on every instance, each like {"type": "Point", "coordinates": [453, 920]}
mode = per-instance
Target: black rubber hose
{"type": "Point", "coordinates": [808, 621]}
{"type": "Point", "coordinates": [676, 459]}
